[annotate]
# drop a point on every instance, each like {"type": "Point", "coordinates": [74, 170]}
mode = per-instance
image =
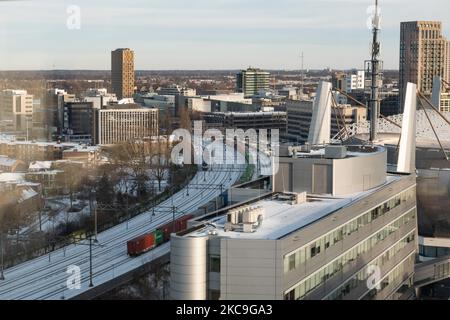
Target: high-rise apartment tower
{"type": "Point", "coordinates": [424, 53]}
{"type": "Point", "coordinates": [122, 73]}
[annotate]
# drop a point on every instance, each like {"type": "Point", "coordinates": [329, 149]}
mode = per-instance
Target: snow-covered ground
{"type": "Point", "coordinates": [46, 277]}
{"type": "Point", "coordinates": [59, 215]}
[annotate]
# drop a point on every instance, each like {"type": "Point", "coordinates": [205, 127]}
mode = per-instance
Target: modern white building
{"type": "Point", "coordinates": [355, 81]}
{"type": "Point", "coordinates": [335, 217]}
{"type": "Point", "coordinates": [116, 125]}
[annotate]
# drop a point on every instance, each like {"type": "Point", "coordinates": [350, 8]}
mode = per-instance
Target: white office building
{"type": "Point", "coordinates": [333, 218]}
{"type": "Point", "coordinates": [116, 125]}
{"type": "Point", "coordinates": [355, 81]}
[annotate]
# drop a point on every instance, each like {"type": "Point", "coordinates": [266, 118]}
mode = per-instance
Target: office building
{"type": "Point", "coordinates": [299, 115]}
{"type": "Point", "coordinates": [333, 218]}
{"type": "Point", "coordinates": [53, 107]}
{"type": "Point", "coordinates": [348, 81]}
{"type": "Point", "coordinates": [339, 80]}
{"type": "Point", "coordinates": [16, 107]}
{"type": "Point", "coordinates": [251, 81]}
{"type": "Point", "coordinates": [78, 121]}
{"type": "Point", "coordinates": [121, 124]}
{"type": "Point", "coordinates": [355, 81]}
{"type": "Point", "coordinates": [246, 120]}
{"type": "Point", "coordinates": [122, 73]}
{"type": "Point", "coordinates": [289, 93]}
{"type": "Point", "coordinates": [440, 97]}
{"type": "Point", "coordinates": [444, 105]}
{"type": "Point", "coordinates": [176, 90]}
{"type": "Point", "coordinates": [99, 97]}
{"type": "Point", "coordinates": [424, 54]}
{"type": "Point", "coordinates": [389, 102]}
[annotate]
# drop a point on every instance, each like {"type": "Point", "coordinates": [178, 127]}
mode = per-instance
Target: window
{"type": "Point", "coordinates": [327, 242]}
{"type": "Point", "coordinates": [313, 250]}
{"type": "Point", "coordinates": [291, 262]}
{"type": "Point", "coordinates": [214, 264]}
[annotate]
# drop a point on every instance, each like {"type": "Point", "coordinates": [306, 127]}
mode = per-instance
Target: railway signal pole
{"type": "Point", "coordinates": [2, 276]}
{"type": "Point", "coordinates": [90, 262]}
{"type": "Point", "coordinates": [96, 223]}
{"type": "Point", "coordinates": [90, 244]}
{"type": "Point", "coordinates": [93, 208]}
{"type": "Point", "coordinates": [174, 209]}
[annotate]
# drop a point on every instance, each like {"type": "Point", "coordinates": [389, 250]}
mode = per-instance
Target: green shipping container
{"type": "Point", "coordinates": [159, 238]}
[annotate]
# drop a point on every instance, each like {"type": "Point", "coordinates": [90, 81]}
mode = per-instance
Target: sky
{"type": "Point", "coordinates": [203, 34]}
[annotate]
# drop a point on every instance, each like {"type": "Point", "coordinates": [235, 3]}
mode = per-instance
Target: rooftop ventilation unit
{"type": "Point", "coordinates": [245, 219]}
{"type": "Point", "coordinates": [335, 152]}
{"type": "Point", "coordinates": [292, 197]}
{"type": "Point", "coordinates": [306, 148]}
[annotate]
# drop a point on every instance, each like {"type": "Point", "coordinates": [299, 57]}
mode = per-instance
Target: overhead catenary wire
{"type": "Point", "coordinates": [434, 130]}
{"type": "Point", "coordinates": [336, 110]}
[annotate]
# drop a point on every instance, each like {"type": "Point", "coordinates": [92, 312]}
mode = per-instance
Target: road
{"type": "Point", "coordinates": [46, 277]}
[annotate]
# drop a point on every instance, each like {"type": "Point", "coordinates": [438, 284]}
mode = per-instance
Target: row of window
{"type": "Point", "coordinates": [363, 276]}
{"type": "Point", "coordinates": [321, 276]}
{"type": "Point", "coordinates": [393, 279]}
{"type": "Point", "coordinates": [433, 252]}
{"type": "Point", "coordinates": [431, 34]}
{"type": "Point", "coordinates": [300, 256]}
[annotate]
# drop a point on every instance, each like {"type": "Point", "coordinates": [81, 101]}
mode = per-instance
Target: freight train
{"type": "Point", "coordinates": [149, 241]}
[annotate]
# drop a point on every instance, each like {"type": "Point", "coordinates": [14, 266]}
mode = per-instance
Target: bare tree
{"type": "Point", "coordinates": [161, 160]}
{"type": "Point", "coordinates": [185, 119]}
{"type": "Point", "coordinates": [135, 157]}
{"type": "Point", "coordinates": [166, 122]}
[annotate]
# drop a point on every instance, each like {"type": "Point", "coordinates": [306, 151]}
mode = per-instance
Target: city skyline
{"type": "Point", "coordinates": [211, 34]}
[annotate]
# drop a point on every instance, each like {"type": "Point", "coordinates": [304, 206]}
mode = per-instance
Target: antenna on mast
{"type": "Point", "coordinates": [374, 69]}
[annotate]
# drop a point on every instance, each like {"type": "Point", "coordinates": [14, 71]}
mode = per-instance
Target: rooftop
{"type": "Point", "coordinates": [351, 151]}
{"type": "Point", "coordinates": [282, 218]}
{"type": "Point", "coordinates": [6, 161]}
{"type": "Point", "coordinates": [12, 177]}
{"type": "Point", "coordinates": [11, 140]}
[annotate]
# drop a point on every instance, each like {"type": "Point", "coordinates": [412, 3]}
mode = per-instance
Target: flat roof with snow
{"type": "Point", "coordinates": [282, 218]}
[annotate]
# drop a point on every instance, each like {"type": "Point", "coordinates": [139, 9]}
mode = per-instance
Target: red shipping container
{"type": "Point", "coordinates": [180, 224]}
{"type": "Point", "coordinates": [141, 244]}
